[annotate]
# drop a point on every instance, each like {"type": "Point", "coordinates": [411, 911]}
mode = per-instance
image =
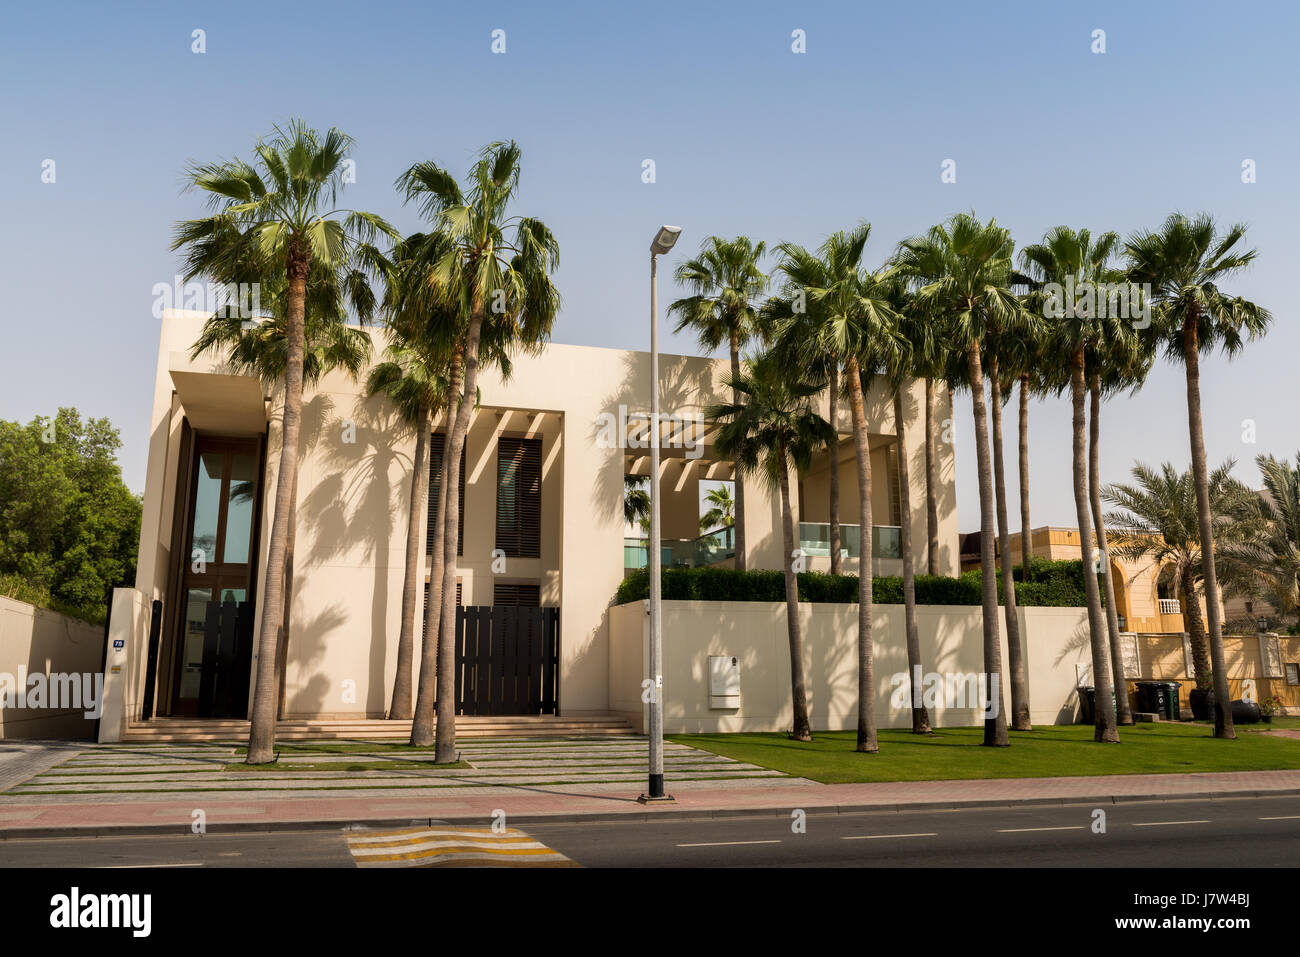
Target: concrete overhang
{"type": "Point", "coordinates": [218, 401]}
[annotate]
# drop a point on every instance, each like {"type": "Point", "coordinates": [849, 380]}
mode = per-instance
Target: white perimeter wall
{"type": "Point", "coordinates": [43, 641]}
{"type": "Point", "coordinates": [755, 632]}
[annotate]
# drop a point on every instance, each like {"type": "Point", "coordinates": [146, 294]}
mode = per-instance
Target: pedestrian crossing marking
{"type": "Point", "coordinates": [452, 847]}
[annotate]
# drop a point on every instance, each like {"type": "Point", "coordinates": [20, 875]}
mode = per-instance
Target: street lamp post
{"type": "Point", "coordinates": [662, 243]}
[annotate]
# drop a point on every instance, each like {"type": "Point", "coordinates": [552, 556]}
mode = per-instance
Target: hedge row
{"type": "Point", "coordinates": [1057, 583]}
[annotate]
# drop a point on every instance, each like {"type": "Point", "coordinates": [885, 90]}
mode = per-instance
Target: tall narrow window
{"type": "Point", "coordinates": [519, 496]}
{"type": "Point", "coordinates": [436, 446]}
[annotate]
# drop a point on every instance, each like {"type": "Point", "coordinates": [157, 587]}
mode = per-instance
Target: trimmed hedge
{"type": "Point", "coordinates": [1057, 583]}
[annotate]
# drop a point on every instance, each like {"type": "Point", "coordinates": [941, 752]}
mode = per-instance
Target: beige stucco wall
{"type": "Point", "coordinates": [755, 633]}
{"type": "Point", "coordinates": [40, 641]}
{"type": "Point", "coordinates": [353, 499]}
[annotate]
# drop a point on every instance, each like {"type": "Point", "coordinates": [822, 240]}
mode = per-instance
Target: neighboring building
{"type": "Point", "coordinates": [543, 484]}
{"type": "Point", "coordinates": [1146, 597]}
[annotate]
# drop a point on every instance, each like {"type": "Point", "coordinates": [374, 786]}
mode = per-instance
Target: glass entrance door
{"type": "Point", "coordinates": [218, 563]}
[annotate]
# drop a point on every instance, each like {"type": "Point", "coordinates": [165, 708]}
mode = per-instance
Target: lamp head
{"type": "Point", "coordinates": [664, 240]}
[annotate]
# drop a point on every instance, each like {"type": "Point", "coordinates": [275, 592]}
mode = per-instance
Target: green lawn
{"type": "Point", "coordinates": [1050, 751]}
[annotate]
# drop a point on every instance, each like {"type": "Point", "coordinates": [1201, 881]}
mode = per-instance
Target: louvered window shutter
{"type": "Point", "coordinates": [519, 496]}
{"type": "Point", "coordinates": [436, 446]}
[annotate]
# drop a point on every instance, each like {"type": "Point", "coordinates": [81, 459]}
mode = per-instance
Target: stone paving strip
{"type": "Point", "coordinates": [154, 771]}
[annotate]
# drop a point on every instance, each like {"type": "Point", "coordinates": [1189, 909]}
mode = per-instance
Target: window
{"type": "Point", "coordinates": [1292, 673]}
{"type": "Point", "coordinates": [517, 593]}
{"type": "Point", "coordinates": [519, 496]}
{"type": "Point", "coordinates": [436, 446]}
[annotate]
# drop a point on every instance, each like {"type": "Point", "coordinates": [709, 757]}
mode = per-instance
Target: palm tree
{"type": "Point", "coordinates": [501, 287]}
{"type": "Point", "coordinates": [1006, 345]}
{"type": "Point", "coordinates": [773, 426]}
{"type": "Point", "coordinates": [722, 509]}
{"type": "Point", "coordinates": [414, 377]}
{"type": "Point", "coordinates": [915, 336]}
{"type": "Point", "coordinates": [636, 499]}
{"type": "Point", "coordinates": [261, 349]}
{"type": "Point", "coordinates": [852, 322]}
{"type": "Point", "coordinates": [1184, 263]}
{"type": "Point", "coordinates": [1116, 361]}
{"type": "Point", "coordinates": [1065, 258]}
{"type": "Point", "coordinates": [725, 282]}
{"type": "Point", "coordinates": [285, 200]}
{"type": "Point", "coordinates": [1157, 522]}
{"type": "Point", "coordinates": [963, 270]}
{"type": "Point", "coordinates": [1268, 563]}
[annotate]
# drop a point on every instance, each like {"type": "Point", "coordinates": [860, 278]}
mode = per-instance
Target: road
{"type": "Point", "coordinates": [1263, 831]}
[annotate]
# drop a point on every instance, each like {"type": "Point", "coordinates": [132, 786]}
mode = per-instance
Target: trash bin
{"type": "Point", "coordinates": [1159, 697]}
{"type": "Point", "coordinates": [1087, 705]}
{"type": "Point", "coordinates": [1174, 713]}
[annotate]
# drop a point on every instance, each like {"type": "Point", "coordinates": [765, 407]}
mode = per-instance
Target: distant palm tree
{"type": "Point", "coordinates": [287, 202]}
{"type": "Point", "coordinates": [636, 499]}
{"type": "Point", "coordinates": [1185, 262]}
{"type": "Point", "coordinates": [1268, 563]}
{"type": "Point", "coordinates": [773, 427]}
{"type": "Point", "coordinates": [962, 270]}
{"type": "Point", "coordinates": [725, 282]}
{"type": "Point", "coordinates": [1068, 262]}
{"type": "Point", "coordinates": [722, 509]}
{"type": "Point", "coordinates": [1157, 523]}
{"type": "Point", "coordinates": [498, 280]}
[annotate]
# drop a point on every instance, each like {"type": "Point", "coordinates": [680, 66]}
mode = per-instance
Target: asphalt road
{"type": "Point", "coordinates": [1262, 831]}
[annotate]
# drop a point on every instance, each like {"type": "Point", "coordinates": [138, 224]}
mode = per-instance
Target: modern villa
{"type": "Point", "coordinates": [544, 541]}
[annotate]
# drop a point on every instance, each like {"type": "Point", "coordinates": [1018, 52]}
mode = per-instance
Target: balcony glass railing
{"type": "Point", "coordinates": [682, 552]}
{"type": "Point", "coordinates": [815, 539]}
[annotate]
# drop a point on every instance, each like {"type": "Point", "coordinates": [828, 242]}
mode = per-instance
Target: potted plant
{"type": "Point", "coordinates": [1268, 707]}
{"type": "Point", "coordinates": [1202, 696]}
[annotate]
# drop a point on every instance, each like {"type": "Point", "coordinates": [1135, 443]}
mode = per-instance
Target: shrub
{"type": "Point", "coordinates": [1059, 587]}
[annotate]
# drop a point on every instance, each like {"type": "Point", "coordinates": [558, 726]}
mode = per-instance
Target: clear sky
{"type": "Point", "coordinates": [747, 137]}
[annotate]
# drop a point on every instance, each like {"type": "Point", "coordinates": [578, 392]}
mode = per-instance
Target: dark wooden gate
{"type": "Point", "coordinates": [227, 657]}
{"type": "Point", "coordinates": [507, 659]}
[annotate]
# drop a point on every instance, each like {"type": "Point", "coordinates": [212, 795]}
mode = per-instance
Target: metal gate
{"type": "Point", "coordinates": [507, 659]}
{"type": "Point", "coordinates": [227, 656]}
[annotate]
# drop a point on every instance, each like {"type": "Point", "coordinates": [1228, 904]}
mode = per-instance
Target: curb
{"type": "Point", "coordinates": [560, 817]}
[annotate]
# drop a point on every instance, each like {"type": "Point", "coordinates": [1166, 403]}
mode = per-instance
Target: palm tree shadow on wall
{"type": "Point", "coordinates": [350, 509]}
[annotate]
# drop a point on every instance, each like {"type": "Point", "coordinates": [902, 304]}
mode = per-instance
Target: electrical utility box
{"type": "Point", "coordinates": [724, 681]}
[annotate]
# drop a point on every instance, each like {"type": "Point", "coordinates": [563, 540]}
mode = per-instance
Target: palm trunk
{"type": "Point", "coordinates": [739, 561]}
{"type": "Point", "coordinates": [1195, 625]}
{"type": "Point", "coordinates": [798, 687]}
{"type": "Point", "coordinates": [1123, 713]}
{"type": "Point", "coordinates": [931, 482]}
{"type": "Point", "coordinates": [1015, 650]}
{"type": "Point", "coordinates": [1209, 579]}
{"type": "Point", "coordinates": [282, 648]}
{"type": "Point", "coordinates": [920, 715]}
{"type": "Point", "coordinates": [400, 709]}
{"type": "Point", "coordinates": [1102, 686]}
{"type": "Point", "coordinates": [995, 726]}
{"type": "Point", "coordinates": [261, 734]}
{"type": "Point", "coordinates": [422, 725]}
{"type": "Point", "coordinates": [837, 564]}
{"type": "Point", "coordinates": [867, 739]}
{"type": "Point", "coordinates": [1026, 530]}
{"type": "Point", "coordinates": [445, 732]}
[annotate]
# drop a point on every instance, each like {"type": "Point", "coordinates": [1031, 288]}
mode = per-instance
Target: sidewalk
{"type": "Point", "coordinates": [720, 792]}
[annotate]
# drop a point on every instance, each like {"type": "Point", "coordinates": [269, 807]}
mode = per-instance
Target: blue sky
{"type": "Point", "coordinates": [747, 137]}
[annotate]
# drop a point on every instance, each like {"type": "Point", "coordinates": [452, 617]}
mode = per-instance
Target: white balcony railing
{"type": "Point", "coordinates": [1169, 606]}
